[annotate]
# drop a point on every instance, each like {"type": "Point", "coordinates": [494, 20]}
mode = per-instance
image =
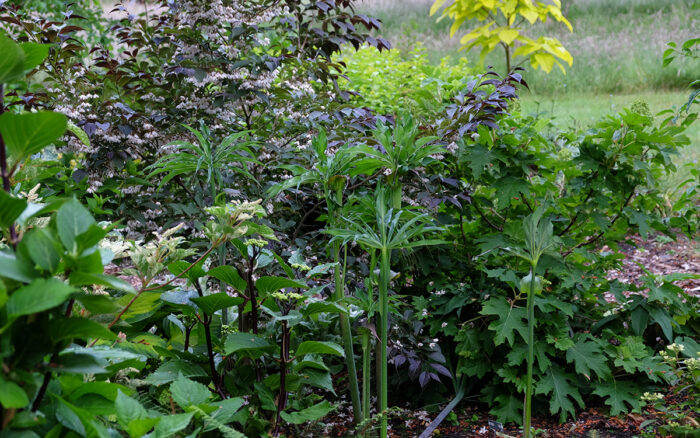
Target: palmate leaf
{"type": "Point", "coordinates": [618, 395]}
{"type": "Point", "coordinates": [588, 358]}
{"type": "Point", "coordinates": [509, 319]}
{"type": "Point", "coordinates": [508, 409]}
{"type": "Point", "coordinates": [559, 384]}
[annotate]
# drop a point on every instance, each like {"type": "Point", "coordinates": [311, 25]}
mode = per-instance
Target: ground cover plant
{"type": "Point", "coordinates": [245, 218]}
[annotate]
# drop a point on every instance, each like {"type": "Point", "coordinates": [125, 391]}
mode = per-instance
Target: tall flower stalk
{"type": "Point", "coordinates": [539, 237]}
{"type": "Point", "coordinates": [391, 230]}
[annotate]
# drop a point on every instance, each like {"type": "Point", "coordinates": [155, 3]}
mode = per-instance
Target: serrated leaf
{"type": "Point", "coordinates": [170, 425]}
{"type": "Point", "coordinates": [170, 370]}
{"type": "Point", "coordinates": [188, 393]}
{"type": "Point", "coordinates": [319, 347]}
{"type": "Point", "coordinates": [266, 285]}
{"type": "Point", "coordinates": [78, 328]}
{"type": "Point", "coordinates": [312, 413]}
{"type": "Point", "coordinates": [212, 303]}
{"type": "Point", "coordinates": [618, 395]}
{"type": "Point", "coordinates": [508, 409]}
{"type": "Point", "coordinates": [244, 341]}
{"type": "Point", "coordinates": [41, 294]}
{"type": "Point", "coordinates": [509, 319]}
{"type": "Point", "coordinates": [588, 358]}
{"type": "Point", "coordinates": [26, 134]}
{"type": "Point", "coordinates": [559, 385]}
{"type": "Point", "coordinates": [230, 276]}
{"type": "Point", "coordinates": [72, 219]}
{"type": "Point", "coordinates": [128, 409]}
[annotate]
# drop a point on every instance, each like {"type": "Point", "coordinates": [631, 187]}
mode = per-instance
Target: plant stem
{"type": "Point", "coordinates": [345, 328]}
{"type": "Point", "coordinates": [284, 360]}
{"type": "Point", "coordinates": [366, 377]}
{"type": "Point", "coordinates": [530, 352]}
{"type": "Point", "coordinates": [384, 310]}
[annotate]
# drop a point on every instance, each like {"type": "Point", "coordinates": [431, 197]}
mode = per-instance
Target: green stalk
{"type": "Point", "coordinates": [396, 195]}
{"type": "Point", "coordinates": [221, 250]}
{"type": "Point", "coordinates": [530, 352]}
{"type": "Point", "coordinates": [384, 272]}
{"type": "Point", "coordinates": [366, 364]}
{"type": "Point", "coordinates": [345, 329]}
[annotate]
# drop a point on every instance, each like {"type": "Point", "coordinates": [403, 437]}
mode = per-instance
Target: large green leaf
{"type": "Point", "coordinates": [212, 303]}
{"type": "Point", "coordinates": [11, 62]}
{"type": "Point", "coordinates": [12, 396]}
{"type": "Point", "coordinates": [170, 425]}
{"type": "Point", "coordinates": [312, 413]}
{"type": "Point", "coordinates": [128, 409]}
{"type": "Point", "coordinates": [188, 393]}
{"type": "Point", "coordinates": [170, 370]}
{"type": "Point", "coordinates": [244, 341]}
{"type": "Point", "coordinates": [267, 285]}
{"type": "Point", "coordinates": [559, 385]}
{"type": "Point", "coordinates": [41, 294]}
{"type": "Point", "coordinates": [72, 220]}
{"type": "Point", "coordinates": [79, 328]}
{"type": "Point", "coordinates": [619, 394]}
{"type": "Point", "coordinates": [89, 279]}
{"type": "Point", "coordinates": [41, 246]}
{"type": "Point", "coordinates": [10, 209]}
{"type": "Point", "coordinates": [34, 54]}
{"type": "Point", "coordinates": [319, 347]}
{"type": "Point", "coordinates": [588, 358]}
{"type": "Point", "coordinates": [230, 276]}
{"type": "Point", "coordinates": [26, 134]}
{"type": "Point", "coordinates": [509, 319]}
{"type": "Point", "coordinates": [15, 269]}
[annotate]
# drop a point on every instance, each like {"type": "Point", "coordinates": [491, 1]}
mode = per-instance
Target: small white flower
{"type": "Point", "coordinates": [444, 324]}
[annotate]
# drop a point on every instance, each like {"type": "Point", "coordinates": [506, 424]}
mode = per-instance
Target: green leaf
{"type": "Point", "coordinates": [193, 274]}
{"type": "Point", "coordinates": [212, 303]}
{"type": "Point", "coordinates": [619, 394]}
{"type": "Point", "coordinates": [560, 386]}
{"type": "Point", "coordinates": [312, 413]}
{"type": "Point", "coordinates": [319, 347]}
{"type": "Point", "coordinates": [323, 307]}
{"type": "Point", "coordinates": [188, 393]}
{"type": "Point", "coordinates": [12, 396]}
{"type": "Point", "coordinates": [588, 357]}
{"type": "Point", "coordinates": [72, 220]}
{"type": "Point", "coordinates": [317, 378]}
{"type": "Point", "coordinates": [509, 319]}
{"type": "Point", "coordinates": [244, 341]}
{"type": "Point", "coordinates": [79, 328]}
{"type": "Point", "coordinates": [128, 409]}
{"type": "Point", "coordinates": [34, 54]}
{"type": "Point", "coordinates": [82, 135]}
{"type": "Point", "coordinates": [230, 276]}
{"type": "Point", "coordinates": [170, 425]}
{"type": "Point", "coordinates": [78, 363]}
{"type": "Point", "coordinates": [639, 319]}
{"type": "Point", "coordinates": [663, 319]}
{"type": "Point", "coordinates": [11, 62]}
{"type": "Point", "coordinates": [508, 409]}
{"type": "Point", "coordinates": [40, 245]}
{"type": "Point", "coordinates": [266, 285]}
{"type": "Point", "coordinates": [41, 294]}
{"type": "Point", "coordinates": [10, 209]}
{"type": "Point", "coordinates": [226, 409]}
{"type": "Point", "coordinates": [88, 279]}
{"type": "Point", "coordinates": [26, 134]}
{"type": "Point", "coordinates": [16, 269]}
{"type": "Point", "coordinates": [140, 427]}
{"type": "Point", "coordinates": [170, 370]}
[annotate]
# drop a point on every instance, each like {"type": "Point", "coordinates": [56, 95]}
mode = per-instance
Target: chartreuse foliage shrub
{"type": "Point", "coordinates": [502, 22]}
{"type": "Point", "coordinates": [389, 82]}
